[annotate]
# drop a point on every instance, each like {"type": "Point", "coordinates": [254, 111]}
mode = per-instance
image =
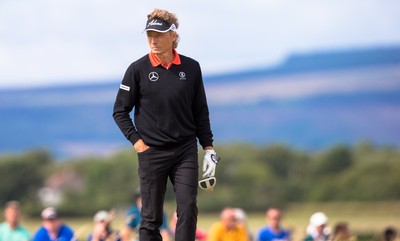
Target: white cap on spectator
{"type": "Point", "coordinates": [49, 213]}
{"type": "Point", "coordinates": [318, 219]}
{"type": "Point", "coordinates": [101, 216]}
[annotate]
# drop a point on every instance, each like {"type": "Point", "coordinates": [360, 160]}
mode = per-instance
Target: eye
{"type": "Point", "coordinates": [151, 35]}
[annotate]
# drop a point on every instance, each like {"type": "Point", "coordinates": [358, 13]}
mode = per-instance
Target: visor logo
{"type": "Point", "coordinates": [154, 22]}
{"type": "Point", "coordinates": [153, 76]}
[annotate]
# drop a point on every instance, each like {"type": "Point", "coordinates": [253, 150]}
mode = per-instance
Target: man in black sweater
{"type": "Point", "coordinates": [171, 113]}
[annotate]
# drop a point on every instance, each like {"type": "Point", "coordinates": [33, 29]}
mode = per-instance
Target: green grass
{"type": "Point", "coordinates": [367, 220]}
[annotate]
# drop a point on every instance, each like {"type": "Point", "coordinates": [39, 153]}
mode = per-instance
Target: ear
{"type": "Point", "coordinates": [174, 35]}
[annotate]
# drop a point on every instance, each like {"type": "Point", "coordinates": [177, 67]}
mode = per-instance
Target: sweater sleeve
{"type": "Point", "coordinates": [124, 103]}
{"type": "Point", "coordinates": [201, 113]}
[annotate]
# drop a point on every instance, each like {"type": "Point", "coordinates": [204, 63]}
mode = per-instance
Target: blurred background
{"type": "Point", "coordinates": [304, 101]}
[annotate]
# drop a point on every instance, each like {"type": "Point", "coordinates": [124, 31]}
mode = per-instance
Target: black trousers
{"type": "Point", "coordinates": [180, 165]}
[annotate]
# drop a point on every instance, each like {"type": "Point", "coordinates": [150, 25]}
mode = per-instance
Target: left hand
{"type": "Point", "coordinates": [209, 163]}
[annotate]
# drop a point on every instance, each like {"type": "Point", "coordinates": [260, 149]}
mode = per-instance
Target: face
{"type": "Point", "coordinates": [139, 202]}
{"type": "Point", "coordinates": [274, 218]}
{"type": "Point", "coordinates": [320, 229]}
{"type": "Point", "coordinates": [161, 43]}
{"type": "Point", "coordinates": [52, 224]}
{"type": "Point", "coordinates": [101, 229]}
{"type": "Point", "coordinates": [229, 219]}
{"type": "Point", "coordinates": [12, 215]}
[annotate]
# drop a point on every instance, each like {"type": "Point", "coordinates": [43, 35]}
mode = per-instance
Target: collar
{"type": "Point", "coordinates": [155, 61]}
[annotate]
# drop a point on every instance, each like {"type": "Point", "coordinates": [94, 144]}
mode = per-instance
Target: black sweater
{"type": "Point", "coordinates": [170, 104]}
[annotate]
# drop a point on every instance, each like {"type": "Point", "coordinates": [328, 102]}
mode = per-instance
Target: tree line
{"type": "Point", "coordinates": [248, 176]}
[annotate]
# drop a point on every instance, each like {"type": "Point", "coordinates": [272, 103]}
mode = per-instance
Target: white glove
{"type": "Point", "coordinates": [209, 163]}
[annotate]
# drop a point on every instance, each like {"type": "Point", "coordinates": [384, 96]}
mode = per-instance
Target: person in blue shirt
{"type": "Point", "coordinates": [133, 217]}
{"type": "Point", "coordinates": [133, 220]}
{"type": "Point", "coordinates": [53, 228]}
{"type": "Point", "coordinates": [273, 231]}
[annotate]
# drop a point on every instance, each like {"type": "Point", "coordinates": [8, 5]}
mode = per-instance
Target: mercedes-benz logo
{"type": "Point", "coordinates": [153, 76]}
{"type": "Point", "coordinates": [182, 75]}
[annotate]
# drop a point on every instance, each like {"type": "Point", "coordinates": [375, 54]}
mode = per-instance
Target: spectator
{"type": "Point", "coordinates": [102, 230]}
{"type": "Point", "coordinates": [273, 231]}
{"type": "Point", "coordinates": [53, 228]}
{"type": "Point", "coordinates": [228, 228]}
{"type": "Point", "coordinates": [134, 218]}
{"type": "Point", "coordinates": [341, 232]}
{"type": "Point", "coordinates": [11, 229]}
{"type": "Point", "coordinates": [317, 230]}
{"type": "Point", "coordinates": [242, 219]}
{"type": "Point", "coordinates": [389, 234]}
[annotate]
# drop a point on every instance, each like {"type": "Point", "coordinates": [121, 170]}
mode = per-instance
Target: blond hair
{"type": "Point", "coordinates": [168, 17]}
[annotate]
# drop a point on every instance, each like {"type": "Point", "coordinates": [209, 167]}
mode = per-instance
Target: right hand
{"type": "Point", "coordinates": [140, 146]}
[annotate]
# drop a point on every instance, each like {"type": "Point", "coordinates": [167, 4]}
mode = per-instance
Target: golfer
{"type": "Point", "coordinates": [171, 113]}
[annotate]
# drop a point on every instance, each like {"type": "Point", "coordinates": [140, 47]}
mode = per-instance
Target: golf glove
{"type": "Point", "coordinates": [209, 163]}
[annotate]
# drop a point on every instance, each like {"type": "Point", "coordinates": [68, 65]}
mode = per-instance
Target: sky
{"type": "Point", "coordinates": [59, 42]}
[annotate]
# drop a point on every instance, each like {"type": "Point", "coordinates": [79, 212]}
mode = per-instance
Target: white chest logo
{"type": "Point", "coordinates": [182, 75]}
{"type": "Point", "coordinates": [153, 76]}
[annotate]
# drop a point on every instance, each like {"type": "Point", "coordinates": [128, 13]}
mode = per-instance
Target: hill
{"type": "Point", "coordinates": [310, 101]}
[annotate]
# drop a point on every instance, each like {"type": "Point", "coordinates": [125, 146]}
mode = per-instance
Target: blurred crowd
{"type": "Point", "coordinates": [231, 226]}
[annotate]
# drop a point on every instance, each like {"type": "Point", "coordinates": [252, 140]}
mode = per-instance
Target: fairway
{"type": "Point", "coordinates": [363, 218]}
